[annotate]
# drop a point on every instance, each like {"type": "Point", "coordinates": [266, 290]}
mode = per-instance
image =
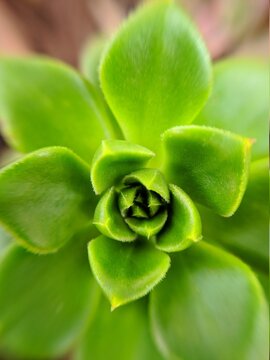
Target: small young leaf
{"type": "Point", "coordinates": [126, 272]}
{"type": "Point", "coordinates": [240, 101]}
{"type": "Point", "coordinates": [210, 307]}
{"type": "Point", "coordinates": [46, 198]}
{"type": "Point", "coordinates": [210, 164]}
{"type": "Point", "coordinates": [46, 103]}
{"type": "Point", "coordinates": [152, 179]}
{"type": "Point", "coordinates": [45, 301]}
{"type": "Point", "coordinates": [183, 227]}
{"type": "Point", "coordinates": [156, 73]}
{"type": "Point", "coordinates": [121, 335]}
{"type": "Point", "coordinates": [115, 159]}
{"type": "Point", "coordinates": [148, 227]}
{"type": "Point", "coordinates": [108, 219]}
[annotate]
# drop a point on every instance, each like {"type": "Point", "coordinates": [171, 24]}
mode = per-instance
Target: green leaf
{"type": "Point", "coordinates": [90, 59]}
{"type": "Point", "coordinates": [156, 73]}
{"type": "Point", "coordinates": [148, 227]}
{"type": "Point", "coordinates": [210, 164]}
{"type": "Point", "coordinates": [240, 101]}
{"type": "Point", "coordinates": [46, 103]}
{"type": "Point", "coordinates": [5, 241]}
{"type": "Point", "coordinates": [126, 272]}
{"type": "Point", "coordinates": [247, 232]}
{"type": "Point", "coordinates": [122, 335]}
{"type": "Point", "coordinates": [45, 301]}
{"type": "Point", "coordinates": [183, 227]}
{"type": "Point", "coordinates": [108, 219]}
{"type": "Point", "coordinates": [210, 307]}
{"type": "Point", "coordinates": [113, 160]}
{"type": "Point", "coordinates": [46, 198]}
{"type": "Point", "coordinates": [152, 179]}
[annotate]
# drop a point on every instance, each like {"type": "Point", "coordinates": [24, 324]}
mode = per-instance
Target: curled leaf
{"type": "Point", "coordinates": [126, 271]}
{"type": "Point", "coordinates": [113, 160]}
{"type": "Point", "coordinates": [108, 218]}
{"type": "Point", "coordinates": [210, 164]}
{"type": "Point", "coordinates": [183, 227]}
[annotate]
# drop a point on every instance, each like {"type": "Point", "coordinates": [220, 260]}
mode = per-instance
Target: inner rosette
{"type": "Point", "coordinates": [137, 206]}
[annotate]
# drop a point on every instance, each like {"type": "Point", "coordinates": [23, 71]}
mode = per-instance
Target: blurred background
{"type": "Point", "coordinates": [62, 28]}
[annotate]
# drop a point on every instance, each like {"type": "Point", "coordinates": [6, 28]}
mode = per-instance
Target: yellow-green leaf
{"type": "Point", "coordinates": [210, 164]}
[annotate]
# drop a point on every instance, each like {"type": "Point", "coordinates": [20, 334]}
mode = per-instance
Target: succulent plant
{"type": "Point", "coordinates": [148, 172]}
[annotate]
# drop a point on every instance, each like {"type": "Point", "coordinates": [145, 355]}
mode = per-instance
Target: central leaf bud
{"type": "Point", "coordinates": [136, 206]}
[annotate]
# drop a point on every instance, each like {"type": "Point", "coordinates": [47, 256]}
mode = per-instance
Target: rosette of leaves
{"type": "Point", "coordinates": [122, 171]}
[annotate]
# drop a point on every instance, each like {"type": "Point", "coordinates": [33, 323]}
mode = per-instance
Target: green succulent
{"type": "Point", "coordinates": [165, 184]}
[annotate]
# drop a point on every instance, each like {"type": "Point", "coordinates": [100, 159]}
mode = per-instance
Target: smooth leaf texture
{"type": "Point", "coordinates": [126, 272]}
{"type": "Point", "coordinates": [210, 164]}
{"type": "Point", "coordinates": [90, 59]}
{"type": "Point", "coordinates": [46, 198]}
{"type": "Point", "coordinates": [5, 241]}
{"type": "Point", "coordinates": [45, 301]}
{"type": "Point", "coordinates": [247, 232]}
{"type": "Point", "coordinates": [122, 335]}
{"type": "Point", "coordinates": [46, 103]}
{"type": "Point", "coordinates": [210, 307]}
{"type": "Point", "coordinates": [162, 69]}
{"type": "Point", "coordinates": [108, 219]}
{"type": "Point", "coordinates": [113, 160]}
{"type": "Point", "coordinates": [152, 179]}
{"type": "Point", "coordinates": [183, 226]}
{"type": "Point", "coordinates": [240, 101]}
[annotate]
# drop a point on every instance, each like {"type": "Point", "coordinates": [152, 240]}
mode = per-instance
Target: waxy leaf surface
{"type": "Point", "coordinates": [113, 160]}
{"type": "Point", "coordinates": [46, 103]}
{"type": "Point", "coordinates": [126, 271]}
{"type": "Point", "coordinates": [45, 301]}
{"type": "Point", "coordinates": [108, 218]}
{"type": "Point", "coordinates": [183, 226]}
{"type": "Point", "coordinates": [156, 73]}
{"type": "Point", "coordinates": [210, 164]}
{"type": "Point", "coordinates": [240, 101]}
{"type": "Point", "coordinates": [210, 307]}
{"type": "Point", "coordinates": [123, 335]}
{"type": "Point", "coordinates": [46, 198]}
{"type": "Point", "coordinates": [247, 232]}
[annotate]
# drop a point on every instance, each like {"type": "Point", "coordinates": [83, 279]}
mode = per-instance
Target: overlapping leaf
{"type": "Point", "coordinates": [122, 335]}
{"type": "Point", "coordinates": [46, 103]}
{"type": "Point", "coordinates": [211, 165]}
{"type": "Point", "coordinates": [126, 271]}
{"type": "Point", "coordinates": [146, 88]}
{"type": "Point", "coordinates": [45, 301]}
{"type": "Point", "coordinates": [240, 101]}
{"type": "Point", "coordinates": [46, 198]}
{"type": "Point", "coordinates": [210, 307]}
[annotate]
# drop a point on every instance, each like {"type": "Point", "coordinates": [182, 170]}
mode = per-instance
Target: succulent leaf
{"type": "Point", "coordinates": [210, 165]}
{"type": "Point", "coordinates": [46, 198]}
{"type": "Point", "coordinates": [46, 103]}
{"type": "Point", "coordinates": [113, 160]}
{"type": "Point", "coordinates": [146, 88]}
{"type": "Point", "coordinates": [108, 218]}
{"type": "Point", "coordinates": [126, 271]}
{"type": "Point", "coordinates": [210, 307]}
{"type": "Point", "coordinates": [183, 226]}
